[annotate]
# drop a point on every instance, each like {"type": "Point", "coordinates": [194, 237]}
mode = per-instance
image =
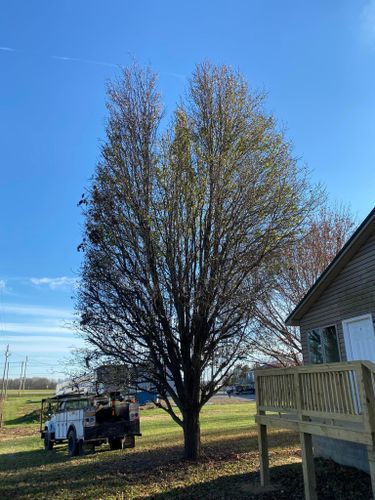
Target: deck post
{"type": "Point", "coordinates": [369, 416]}
{"type": "Point", "coordinates": [264, 465]}
{"type": "Point", "coordinates": [331, 400]}
{"type": "Point", "coordinates": [308, 466]}
{"type": "Point", "coordinates": [263, 455]}
{"type": "Point", "coordinates": [371, 462]}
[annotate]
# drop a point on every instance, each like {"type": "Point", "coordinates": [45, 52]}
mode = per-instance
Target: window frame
{"type": "Point", "coordinates": [320, 330]}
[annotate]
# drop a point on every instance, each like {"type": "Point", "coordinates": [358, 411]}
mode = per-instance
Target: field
{"type": "Point", "coordinates": [227, 470]}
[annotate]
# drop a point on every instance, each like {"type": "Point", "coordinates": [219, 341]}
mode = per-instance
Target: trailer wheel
{"type": "Point", "coordinates": [73, 443]}
{"type": "Point", "coordinates": [48, 443]}
{"type": "Point", "coordinates": [115, 443]}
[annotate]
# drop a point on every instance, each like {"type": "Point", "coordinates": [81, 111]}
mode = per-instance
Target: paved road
{"type": "Point", "coordinates": [248, 397]}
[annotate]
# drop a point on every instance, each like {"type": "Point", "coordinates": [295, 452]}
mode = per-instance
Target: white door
{"type": "Point", "coordinates": [359, 338]}
{"type": "Point", "coordinates": [60, 425]}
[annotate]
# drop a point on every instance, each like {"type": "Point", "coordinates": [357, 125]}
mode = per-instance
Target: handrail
{"type": "Point", "coordinates": [316, 367]}
{"type": "Point", "coordinates": [334, 400]}
{"type": "Point", "coordinates": [335, 391]}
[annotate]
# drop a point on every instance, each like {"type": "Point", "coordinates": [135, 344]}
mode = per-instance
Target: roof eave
{"type": "Point", "coordinates": [329, 274]}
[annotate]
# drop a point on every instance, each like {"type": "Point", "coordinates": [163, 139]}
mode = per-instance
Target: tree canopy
{"type": "Point", "coordinates": [184, 226]}
{"type": "Point", "coordinates": [325, 234]}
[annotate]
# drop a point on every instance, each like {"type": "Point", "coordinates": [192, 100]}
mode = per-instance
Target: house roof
{"type": "Point", "coordinates": [329, 274]}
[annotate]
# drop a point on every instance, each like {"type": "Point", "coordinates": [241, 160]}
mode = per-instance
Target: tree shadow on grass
{"type": "Point", "coordinates": [25, 460]}
{"type": "Point", "coordinates": [219, 447]}
{"type": "Point", "coordinates": [104, 474]}
{"type": "Point", "coordinates": [37, 470]}
{"type": "Point", "coordinates": [334, 482]}
{"type": "Point", "coordinates": [29, 418]}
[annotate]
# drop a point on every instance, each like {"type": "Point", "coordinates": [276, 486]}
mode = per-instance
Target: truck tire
{"type": "Point", "coordinates": [115, 443]}
{"type": "Point", "coordinates": [128, 442]}
{"type": "Point", "coordinates": [48, 443]}
{"type": "Point", "coordinates": [73, 444]}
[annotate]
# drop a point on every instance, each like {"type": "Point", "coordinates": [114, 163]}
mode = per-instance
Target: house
{"type": "Point", "coordinates": [336, 320]}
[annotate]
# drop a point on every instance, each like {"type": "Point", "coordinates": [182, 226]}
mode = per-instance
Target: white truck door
{"type": "Point", "coordinates": [75, 418]}
{"type": "Point", "coordinates": [60, 423]}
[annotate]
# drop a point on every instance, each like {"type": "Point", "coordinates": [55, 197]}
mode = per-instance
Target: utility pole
{"type": "Point", "coordinates": [6, 382]}
{"type": "Point", "coordinates": [21, 378]}
{"type": "Point", "coordinates": [24, 374]}
{"type": "Point", "coordinates": [2, 396]}
{"type": "Point", "coordinates": [5, 369]}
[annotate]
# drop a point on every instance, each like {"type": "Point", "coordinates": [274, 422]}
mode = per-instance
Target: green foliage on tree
{"type": "Point", "coordinates": [183, 227]}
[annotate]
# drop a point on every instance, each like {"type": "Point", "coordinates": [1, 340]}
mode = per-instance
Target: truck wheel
{"type": "Point", "coordinates": [73, 443]}
{"type": "Point", "coordinates": [115, 443]}
{"type": "Point", "coordinates": [48, 444]}
{"type": "Point", "coordinates": [128, 442]}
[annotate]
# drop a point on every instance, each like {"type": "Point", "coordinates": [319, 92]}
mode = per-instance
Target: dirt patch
{"type": "Point", "coordinates": [18, 432]}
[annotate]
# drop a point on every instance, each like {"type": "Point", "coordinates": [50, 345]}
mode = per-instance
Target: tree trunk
{"type": "Point", "coordinates": [192, 435]}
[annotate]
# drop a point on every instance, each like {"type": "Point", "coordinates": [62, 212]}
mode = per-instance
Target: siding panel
{"type": "Point", "coordinates": [352, 293]}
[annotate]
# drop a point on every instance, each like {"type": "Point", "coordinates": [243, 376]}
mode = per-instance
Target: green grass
{"type": "Point", "coordinates": [154, 469]}
{"type": "Point", "coordinates": [24, 409]}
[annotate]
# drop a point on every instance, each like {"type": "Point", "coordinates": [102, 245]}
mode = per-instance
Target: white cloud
{"type": "Point", "coordinates": [31, 344]}
{"type": "Point", "coordinates": [7, 49]}
{"type": "Point", "coordinates": [51, 328]}
{"type": "Point", "coordinates": [2, 284]}
{"type": "Point", "coordinates": [368, 21]}
{"type": "Point", "coordinates": [34, 341]}
{"type": "Point", "coordinates": [25, 310]}
{"type": "Point", "coordinates": [55, 283]}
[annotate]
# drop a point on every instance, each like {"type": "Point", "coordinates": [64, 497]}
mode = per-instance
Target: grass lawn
{"type": "Point", "coordinates": [154, 469]}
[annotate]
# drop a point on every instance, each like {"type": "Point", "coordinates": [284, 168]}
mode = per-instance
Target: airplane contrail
{"type": "Point", "coordinates": [65, 58]}
{"type": "Point", "coordinates": [88, 61]}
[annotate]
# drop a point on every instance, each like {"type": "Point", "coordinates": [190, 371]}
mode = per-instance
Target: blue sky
{"type": "Point", "coordinates": [314, 59]}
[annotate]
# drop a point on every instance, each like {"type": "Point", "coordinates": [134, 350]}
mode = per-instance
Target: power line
{"type": "Point", "coordinates": [34, 362]}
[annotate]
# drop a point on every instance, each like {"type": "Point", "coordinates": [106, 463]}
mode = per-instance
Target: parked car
{"type": "Point", "coordinates": [245, 389]}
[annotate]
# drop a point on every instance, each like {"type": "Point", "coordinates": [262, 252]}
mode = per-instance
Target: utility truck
{"type": "Point", "coordinates": [84, 417]}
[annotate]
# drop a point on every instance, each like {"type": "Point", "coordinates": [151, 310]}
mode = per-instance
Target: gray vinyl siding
{"type": "Point", "coordinates": [351, 294]}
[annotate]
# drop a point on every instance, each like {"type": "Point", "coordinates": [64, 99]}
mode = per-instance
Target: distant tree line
{"type": "Point", "coordinates": [33, 383]}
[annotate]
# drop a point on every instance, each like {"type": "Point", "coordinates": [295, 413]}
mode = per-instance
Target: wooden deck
{"type": "Point", "coordinates": [331, 400]}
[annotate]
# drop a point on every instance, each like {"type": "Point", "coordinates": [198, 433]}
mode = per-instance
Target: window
{"type": "Point", "coordinates": [315, 347]}
{"type": "Point", "coordinates": [323, 346]}
{"type": "Point", "coordinates": [76, 404]}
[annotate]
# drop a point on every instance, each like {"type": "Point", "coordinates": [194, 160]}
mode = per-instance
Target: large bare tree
{"type": "Point", "coordinates": [300, 266]}
{"type": "Point", "coordinates": [182, 230]}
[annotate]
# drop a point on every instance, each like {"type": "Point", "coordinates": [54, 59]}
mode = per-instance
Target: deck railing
{"type": "Point", "coordinates": [334, 400]}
